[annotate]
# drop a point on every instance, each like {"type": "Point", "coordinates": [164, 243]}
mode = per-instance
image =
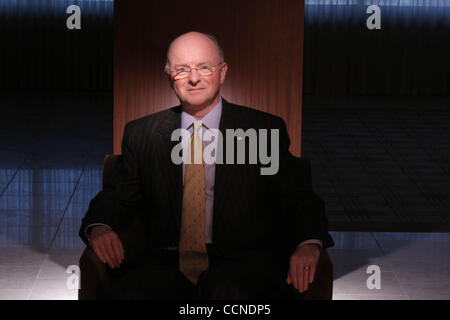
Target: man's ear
{"type": "Point", "coordinates": [223, 72]}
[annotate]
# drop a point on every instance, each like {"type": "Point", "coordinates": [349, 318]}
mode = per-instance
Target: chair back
{"type": "Point", "coordinates": [108, 163]}
{"type": "Point", "coordinates": [305, 170]}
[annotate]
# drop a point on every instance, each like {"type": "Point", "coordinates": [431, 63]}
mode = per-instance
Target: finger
{"type": "Point", "coordinates": [122, 249]}
{"type": "Point", "coordinates": [293, 274]}
{"type": "Point", "coordinates": [114, 251]}
{"type": "Point", "coordinates": [101, 251]}
{"type": "Point", "coordinates": [108, 258]}
{"type": "Point", "coordinates": [312, 272]}
{"type": "Point", "coordinates": [289, 280]}
{"type": "Point", "coordinates": [98, 252]}
{"type": "Point", "coordinates": [305, 279]}
{"type": "Point", "coordinates": [111, 252]}
{"type": "Point", "coordinates": [300, 272]}
{"type": "Point", "coordinates": [117, 247]}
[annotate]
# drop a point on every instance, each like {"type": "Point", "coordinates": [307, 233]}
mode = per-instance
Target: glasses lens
{"type": "Point", "coordinates": [205, 70]}
{"type": "Point", "coordinates": [182, 73]}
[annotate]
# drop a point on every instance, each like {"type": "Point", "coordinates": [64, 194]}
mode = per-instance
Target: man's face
{"type": "Point", "coordinates": [195, 50]}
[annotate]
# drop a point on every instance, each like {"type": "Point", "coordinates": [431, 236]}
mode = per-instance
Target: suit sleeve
{"type": "Point", "coordinates": [303, 209]}
{"type": "Point", "coordinates": [120, 200]}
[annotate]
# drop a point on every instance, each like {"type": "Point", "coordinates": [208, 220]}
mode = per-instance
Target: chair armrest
{"type": "Point", "coordinates": [322, 286]}
{"type": "Point", "coordinates": [94, 276]}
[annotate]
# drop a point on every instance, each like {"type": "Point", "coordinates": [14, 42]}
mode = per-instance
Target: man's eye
{"type": "Point", "coordinates": [206, 67]}
{"type": "Point", "coordinates": [181, 69]}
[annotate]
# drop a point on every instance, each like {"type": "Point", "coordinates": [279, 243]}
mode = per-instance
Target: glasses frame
{"type": "Point", "coordinates": [213, 67]}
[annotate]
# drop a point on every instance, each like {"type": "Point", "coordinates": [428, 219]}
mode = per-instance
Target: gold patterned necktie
{"type": "Point", "coordinates": [193, 257]}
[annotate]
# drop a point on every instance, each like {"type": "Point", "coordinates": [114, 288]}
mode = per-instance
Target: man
{"type": "Point", "coordinates": [213, 231]}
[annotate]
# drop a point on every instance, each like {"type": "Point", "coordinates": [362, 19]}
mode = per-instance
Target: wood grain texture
{"type": "Point", "coordinates": [262, 41]}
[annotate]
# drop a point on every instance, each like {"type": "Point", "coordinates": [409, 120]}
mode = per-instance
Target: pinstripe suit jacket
{"type": "Point", "coordinates": [252, 213]}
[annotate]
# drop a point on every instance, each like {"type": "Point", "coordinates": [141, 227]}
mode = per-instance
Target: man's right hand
{"type": "Point", "coordinates": [107, 246]}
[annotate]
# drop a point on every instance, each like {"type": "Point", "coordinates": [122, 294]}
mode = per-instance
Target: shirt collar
{"type": "Point", "coordinates": [210, 120]}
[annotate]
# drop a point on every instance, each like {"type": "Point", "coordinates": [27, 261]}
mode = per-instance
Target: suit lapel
{"type": "Point", "coordinates": [172, 172]}
{"type": "Point", "coordinates": [223, 175]}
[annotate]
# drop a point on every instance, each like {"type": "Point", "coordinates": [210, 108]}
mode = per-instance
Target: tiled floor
{"type": "Point", "coordinates": [50, 168]}
{"type": "Point", "coordinates": [412, 266]}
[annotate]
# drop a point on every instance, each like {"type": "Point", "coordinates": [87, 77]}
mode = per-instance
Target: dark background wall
{"type": "Point", "coordinates": [408, 56]}
{"type": "Point", "coordinates": [39, 52]}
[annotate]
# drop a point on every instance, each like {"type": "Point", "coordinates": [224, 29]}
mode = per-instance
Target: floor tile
{"type": "Point", "coordinates": [14, 294]}
{"type": "Point", "coordinates": [57, 262]}
{"type": "Point", "coordinates": [17, 277]}
{"type": "Point", "coordinates": [417, 272]}
{"type": "Point", "coordinates": [428, 290]}
{"type": "Point", "coordinates": [355, 282]}
{"type": "Point", "coordinates": [52, 289]}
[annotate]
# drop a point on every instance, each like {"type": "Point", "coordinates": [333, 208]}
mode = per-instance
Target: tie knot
{"type": "Point", "coordinates": [197, 125]}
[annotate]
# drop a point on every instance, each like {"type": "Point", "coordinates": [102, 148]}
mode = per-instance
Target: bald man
{"type": "Point", "coordinates": [252, 235]}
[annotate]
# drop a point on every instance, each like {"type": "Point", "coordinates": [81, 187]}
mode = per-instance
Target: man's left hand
{"type": "Point", "coordinates": [302, 266]}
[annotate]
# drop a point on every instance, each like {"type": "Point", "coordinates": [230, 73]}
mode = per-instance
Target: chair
{"type": "Point", "coordinates": [95, 275]}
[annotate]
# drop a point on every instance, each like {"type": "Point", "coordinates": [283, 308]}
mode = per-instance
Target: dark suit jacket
{"type": "Point", "coordinates": [252, 213]}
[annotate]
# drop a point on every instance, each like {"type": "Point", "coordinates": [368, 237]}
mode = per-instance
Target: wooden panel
{"type": "Point", "coordinates": [262, 41]}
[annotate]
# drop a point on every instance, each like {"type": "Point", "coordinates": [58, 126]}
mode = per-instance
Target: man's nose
{"type": "Point", "coordinates": [194, 76]}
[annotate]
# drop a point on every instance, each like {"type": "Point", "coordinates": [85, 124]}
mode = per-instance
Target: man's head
{"type": "Point", "coordinates": [199, 88]}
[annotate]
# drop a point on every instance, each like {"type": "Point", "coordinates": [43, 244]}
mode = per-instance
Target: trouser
{"type": "Point", "coordinates": [157, 276]}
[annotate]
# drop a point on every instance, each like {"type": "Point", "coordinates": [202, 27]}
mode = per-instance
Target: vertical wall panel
{"type": "Point", "coordinates": [39, 52]}
{"type": "Point", "coordinates": [263, 44]}
{"type": "Point", "coordinates": [408, 56]}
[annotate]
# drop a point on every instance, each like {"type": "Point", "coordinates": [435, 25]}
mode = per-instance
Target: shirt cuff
{"type": "Point", "coordinates": [312, 241]}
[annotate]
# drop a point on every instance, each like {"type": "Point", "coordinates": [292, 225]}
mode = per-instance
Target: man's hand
{"type": "Point", "coordinates": [302, 266]}
{"type": "Point", "coordinates": [107, 246]}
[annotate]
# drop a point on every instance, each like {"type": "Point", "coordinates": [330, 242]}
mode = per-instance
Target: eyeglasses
{"type": "Point", "coordinates": [183, 72]}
